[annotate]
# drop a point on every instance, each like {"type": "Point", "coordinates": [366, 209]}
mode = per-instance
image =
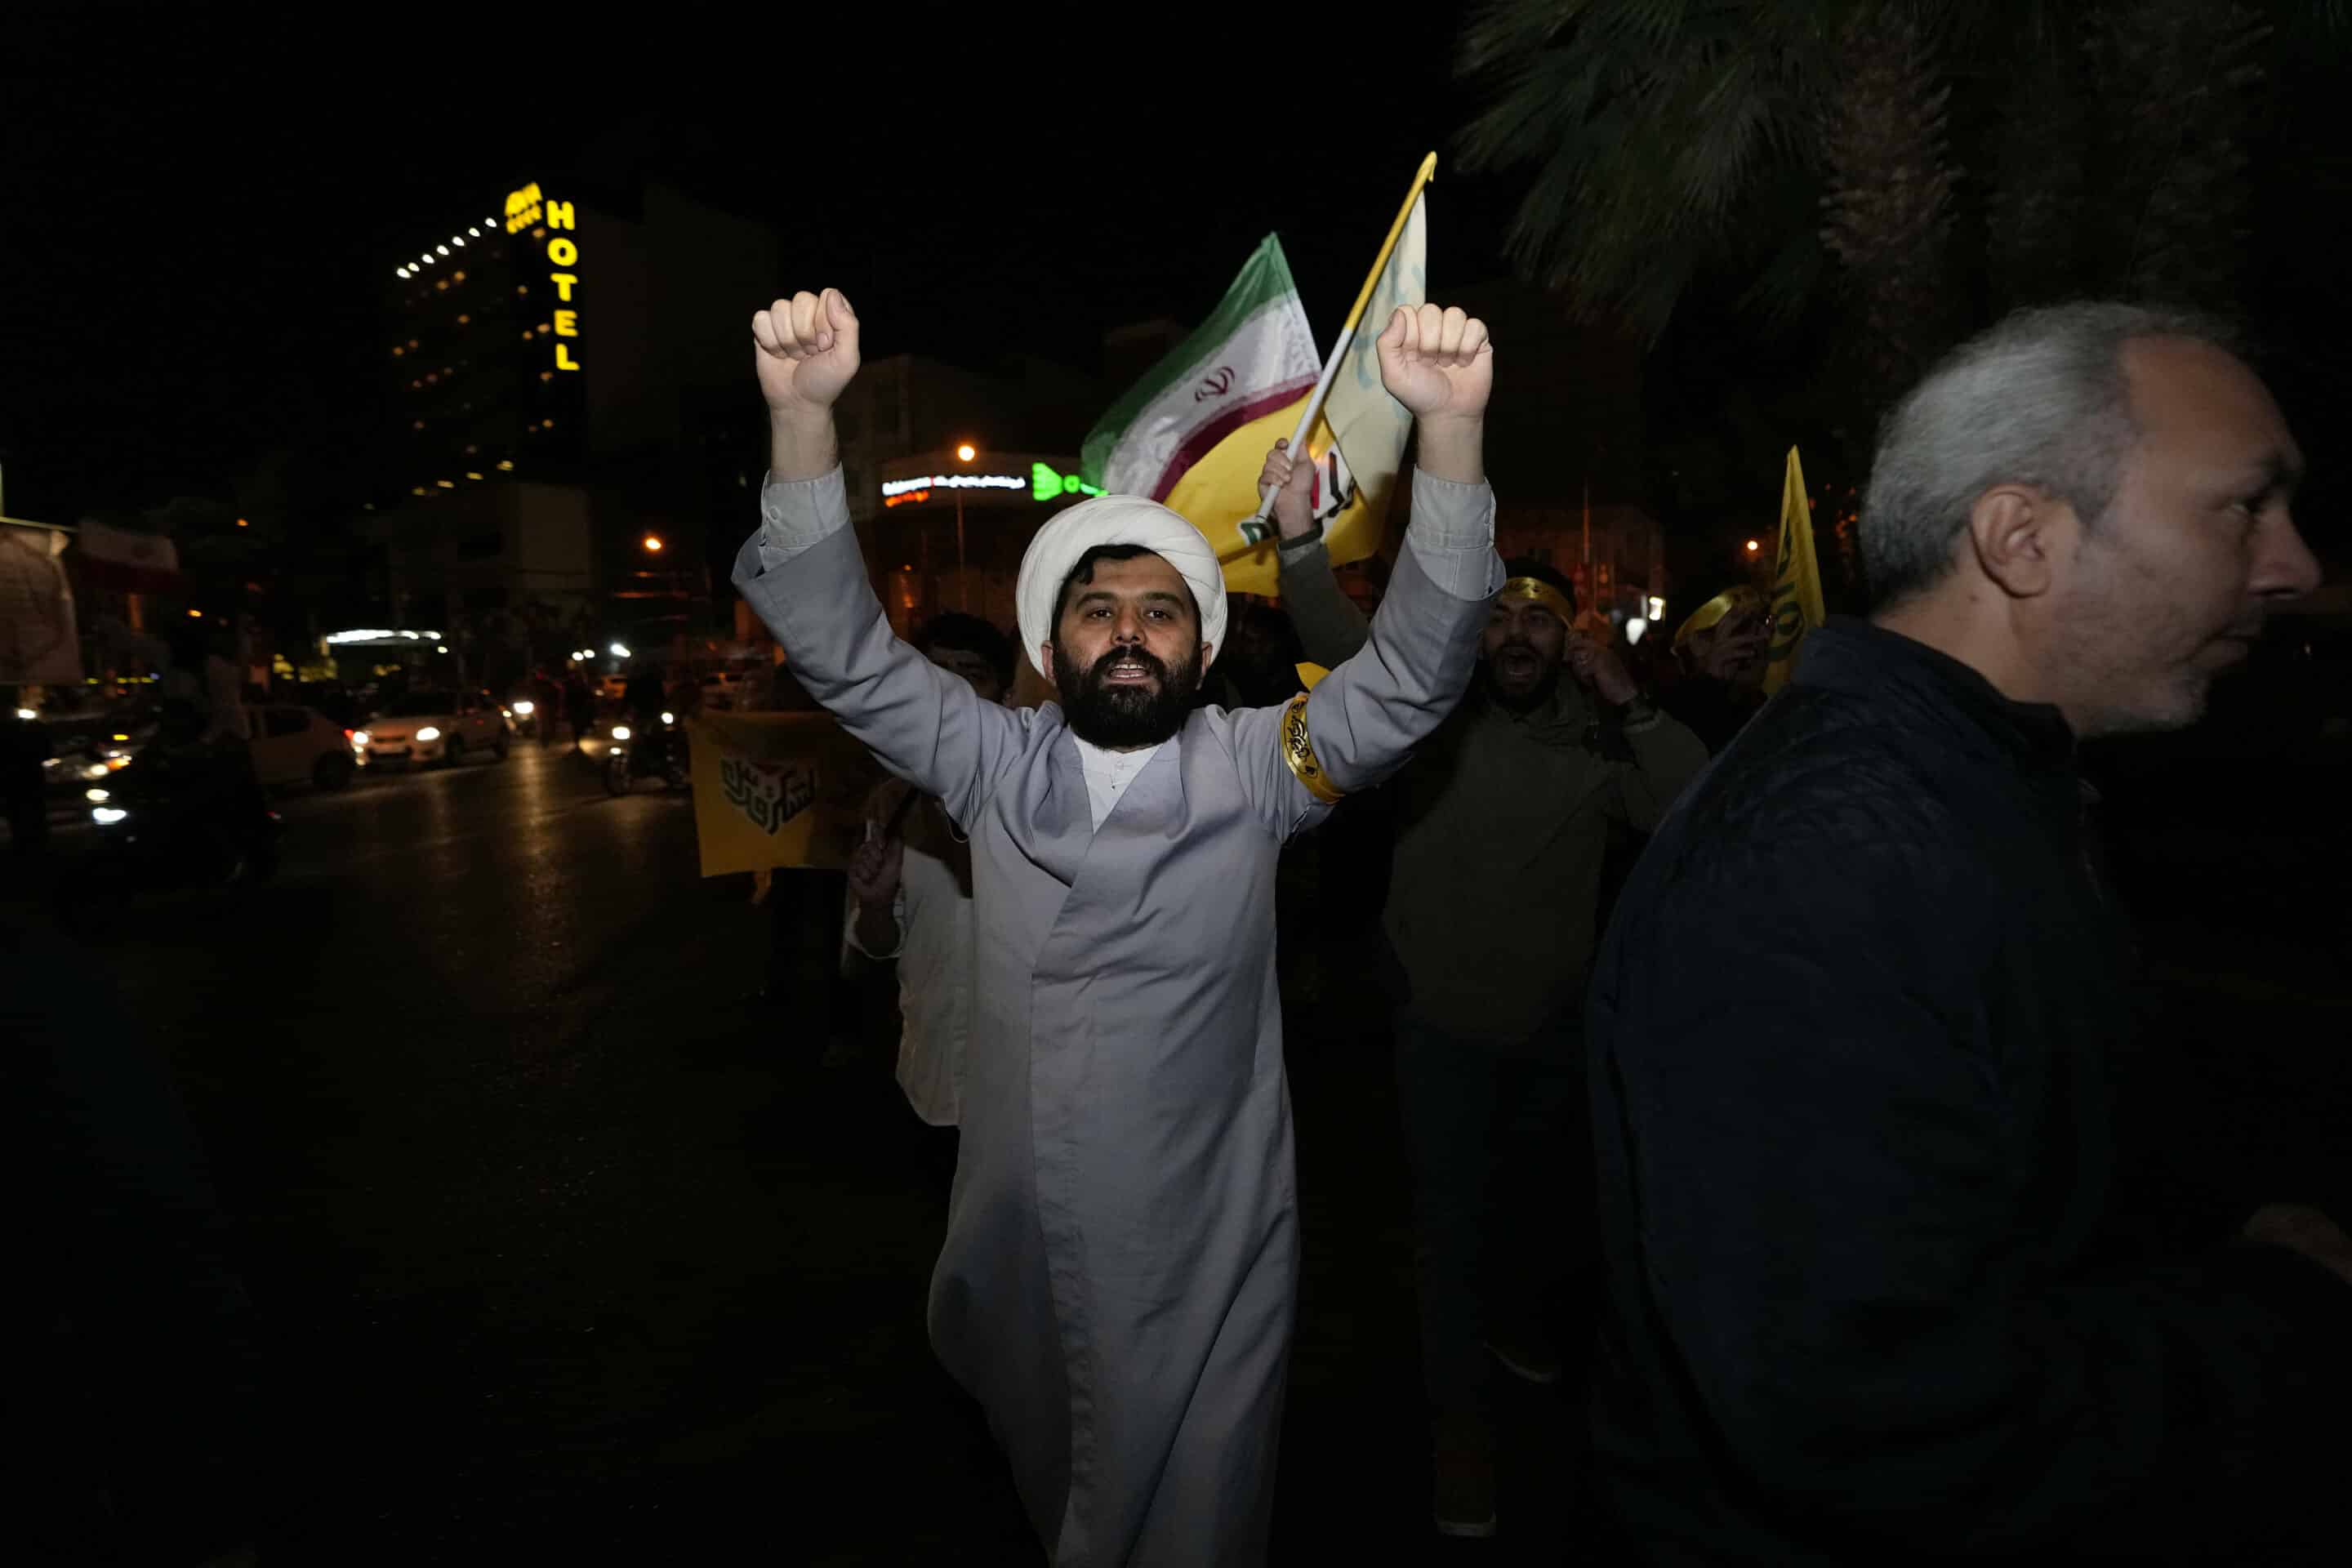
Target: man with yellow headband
{"type": "Point", "coordinates": [1719, 665]}
{"type": "Point", "coordinates": [1506, 817]}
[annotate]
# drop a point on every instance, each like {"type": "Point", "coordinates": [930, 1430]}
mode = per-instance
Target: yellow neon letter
{"type": "Point", "coordinates": [567, 323]}
{"type": "Point", "coordinates": [563, 357]}
{"type": "Point", "coordinates": [564, 282]}
{"type": "Point", "coordinates": [559, 216]}
{"type": "Point", "coordinates": [562, 251]}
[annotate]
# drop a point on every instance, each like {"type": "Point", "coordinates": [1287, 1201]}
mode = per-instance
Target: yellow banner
{"type": "Point", "coordinates": [777, 789]}
{"type": "Point", "coordinates": [1219, 493]}
{"type": "Point", "coordinates": [1797, 582]}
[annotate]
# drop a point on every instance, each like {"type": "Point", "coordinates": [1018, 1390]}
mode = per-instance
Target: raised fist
{"type": "Point", "coordinates": [1291, 481]}
{"type": "Point", "coordinates": [1437, 362]}
{"type": "Point", "coordinates": [807, 351]}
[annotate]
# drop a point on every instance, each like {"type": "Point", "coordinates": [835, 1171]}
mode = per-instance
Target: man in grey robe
{"type": "Point", "coordinates": [1119, 1279]}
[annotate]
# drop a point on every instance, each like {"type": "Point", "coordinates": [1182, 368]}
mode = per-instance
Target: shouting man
{"type": "Point", "coordinates": [1122, 1252]}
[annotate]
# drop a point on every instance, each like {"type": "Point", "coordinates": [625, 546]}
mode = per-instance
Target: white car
{"type": "Point", "coordinates": [435, 727]}
{"type": "Point", "coordinates": [292, 744]}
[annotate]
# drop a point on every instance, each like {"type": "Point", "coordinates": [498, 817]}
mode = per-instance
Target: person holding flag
{"type": "Point", "coordinates": [1119, 1279]}
{"type": "Point", "coordinates": [1494, 901]}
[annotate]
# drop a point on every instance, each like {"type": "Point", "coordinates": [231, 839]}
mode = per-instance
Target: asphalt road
{"type": "Point", "coordinates": [568, 1249]}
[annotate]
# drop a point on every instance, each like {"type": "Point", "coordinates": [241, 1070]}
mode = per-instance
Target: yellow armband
{"type": "Point", "coordinates": [1298, 751]}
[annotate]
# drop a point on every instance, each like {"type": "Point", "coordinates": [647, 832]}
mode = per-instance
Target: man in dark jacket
{"type": "Point", "coordinates": [1854, 1027]}
{"type": "Point", "coordinates": [1505, 821]}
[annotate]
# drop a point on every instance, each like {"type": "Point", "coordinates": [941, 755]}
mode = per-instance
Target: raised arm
{"type": "Point", "coordinates": [801, 572]}
{"type": "Point", "coordinates": [1331, 627]}
{"type": "Point", "coordinates": [1364, 720]}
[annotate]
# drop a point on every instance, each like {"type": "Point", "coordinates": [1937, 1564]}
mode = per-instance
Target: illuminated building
{"type": "Point", "coordinates": [493, 325]}
{"type": "Point", "coordinates": [565, 374]}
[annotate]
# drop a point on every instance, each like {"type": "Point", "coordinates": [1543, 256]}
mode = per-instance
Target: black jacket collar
{"type": "Point", "coordinates": [1854, 655]}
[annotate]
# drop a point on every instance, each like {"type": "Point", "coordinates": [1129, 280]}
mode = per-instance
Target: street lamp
{"type": "Point", "coordinates": [653, 543]}
{"type": "Point", "coordinates": [965, 453]}
{"type": "Point", "coordinates": [1754, 545]}
{"type": "Point", "coordinates": [619, 650]}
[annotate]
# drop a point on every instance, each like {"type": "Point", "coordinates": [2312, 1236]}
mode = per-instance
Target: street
{"type": "Point", "coordinates": [565, 1246]}
{"type": "Point", "coordinates": [566, 1243]}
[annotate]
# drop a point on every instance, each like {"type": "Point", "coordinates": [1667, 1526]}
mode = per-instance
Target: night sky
{"type": "Point", "coordinates": [200, 214]}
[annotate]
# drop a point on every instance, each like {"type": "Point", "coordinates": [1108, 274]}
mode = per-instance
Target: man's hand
{"type": "Point", "coordinates": [1600, 669]}
{"type": "Point", "coordinates": [1730, 655]}
{"type": "Point", "coordinates": [873, 871]}
{"type": "Point", "coordinates": [1437, 362]}
{"type": "Point", "coordinates": [1439, 365]}
{"type": "Point", "coordinates": [1291, 480]}
{"type": "Point", "coordinates": [807, 351]}
{"type": "Point", "coordinates": [2299, 1228]}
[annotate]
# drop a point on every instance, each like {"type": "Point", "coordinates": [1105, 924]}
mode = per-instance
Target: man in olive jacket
{"type": "Point", "coordinates": [1855, 1026]}
{"type": "Point", "coordinates": [1504, 822]}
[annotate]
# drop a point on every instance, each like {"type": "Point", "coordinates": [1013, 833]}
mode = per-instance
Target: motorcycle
{"type": "Point", "coordinates": [165, 823]}
{"type": "Point", "coordinates": [631, 757]}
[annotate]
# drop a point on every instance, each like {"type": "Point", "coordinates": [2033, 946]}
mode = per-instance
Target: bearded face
{"type": "Point", "coordinates": [1521, 653]}
{"type": "Point", "coordinates": [1127, 698]}
{"type": "Point", "coordinates": [1127, 654]}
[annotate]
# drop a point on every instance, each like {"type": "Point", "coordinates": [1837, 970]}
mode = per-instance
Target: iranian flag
{"type": "Point", "coordinates": [1254, 355]}
{"type": "Point", "coordinates": [127, 562]}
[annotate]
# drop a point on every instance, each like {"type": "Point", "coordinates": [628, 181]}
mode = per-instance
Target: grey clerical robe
{"type": "Point", "coordinates": [1122, 1251]}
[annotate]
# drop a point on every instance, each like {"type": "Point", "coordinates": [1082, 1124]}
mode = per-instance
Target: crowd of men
{"type": "Point", "coordinates": [1822, 1124]}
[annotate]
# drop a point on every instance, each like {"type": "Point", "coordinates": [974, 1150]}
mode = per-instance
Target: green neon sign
{"type": "Point", "coordinates": [1045, 484]}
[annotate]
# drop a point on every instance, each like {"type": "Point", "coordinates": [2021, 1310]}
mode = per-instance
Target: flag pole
{"type": "Point", "coordinates": [1307, 416]}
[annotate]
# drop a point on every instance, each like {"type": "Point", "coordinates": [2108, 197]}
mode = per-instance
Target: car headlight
{"type": "Point", "coordinates": [525, 709]}
{"type": "Point", "coordinates": [359, 737]}
{"type": "Point", "coordinates": [97, 795]}
{"type": "Point", "coordinates": [620, 732]}
{"type": "Point", "coordinates": [107, 815]}
{"type": "Point", "coordinates": [430, 732]}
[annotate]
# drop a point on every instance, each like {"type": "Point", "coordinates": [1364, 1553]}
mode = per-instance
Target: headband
{"type": "Point", "coordinates": [1715, 609]}
{"type": "Point", "coordinates": [1536, 591]}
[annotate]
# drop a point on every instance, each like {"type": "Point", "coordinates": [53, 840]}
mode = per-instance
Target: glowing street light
{"type": "Point", "coordinates": [653, 543]}
{"type": "Point", "coordinates": [619, 650]}
{"type": "Point", "coordinates": [1754, 545]}
{"type": "Point", "coordinates": [965, 453]}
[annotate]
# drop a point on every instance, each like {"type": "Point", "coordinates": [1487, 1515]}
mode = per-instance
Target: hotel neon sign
{"type": "Point", "coordinates": [527, 208]}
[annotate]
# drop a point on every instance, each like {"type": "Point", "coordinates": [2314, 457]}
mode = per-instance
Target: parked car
{"type": "Point", "coordinates": [435, 727]}
{"type": "Point", "coordinates": [294, 744]}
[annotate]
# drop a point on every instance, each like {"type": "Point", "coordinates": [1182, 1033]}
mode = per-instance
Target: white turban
{"type": "Point", "coordinates": [1115, 519]}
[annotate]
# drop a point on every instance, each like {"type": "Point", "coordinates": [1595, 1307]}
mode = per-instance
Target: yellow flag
{"type": "Point", "coordinates": [777, 789]}
{"type": "Point", "coordinates": [1219, 493]}
{"type": "Point", "coordinates": [1796, 583]}
{"type": "Point", "coordinates": [1357, 467]}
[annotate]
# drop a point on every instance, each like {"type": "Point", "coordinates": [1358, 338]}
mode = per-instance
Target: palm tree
{"type": "Point", "coordinates": [1806, 146]}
